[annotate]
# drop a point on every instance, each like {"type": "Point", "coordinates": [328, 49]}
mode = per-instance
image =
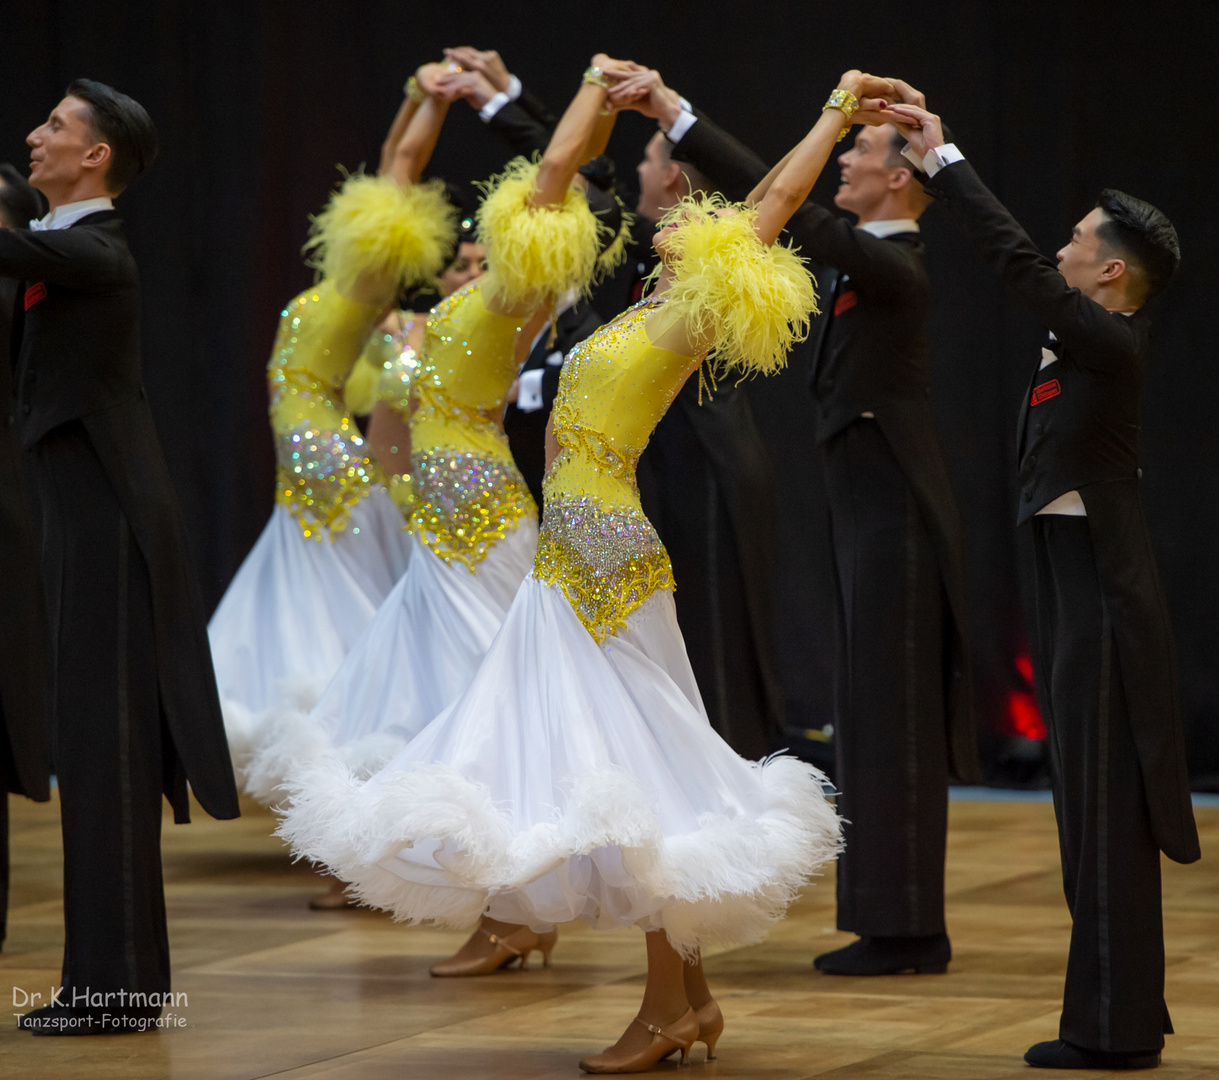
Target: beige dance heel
{"type": "Point", "coordinates": [679, 1035]}
{"type": "Point", "coordinates": [505, 951]}
{"type": "Point", "coordinates": [710, 1026]}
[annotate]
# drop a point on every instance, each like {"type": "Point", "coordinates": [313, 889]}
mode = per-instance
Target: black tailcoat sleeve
{"type": "Point", "coordinates": [24, 766]}
{"type": "Point", "coordinates": [80, 360]}
{"type": "Point", "coordinates": [1079, 431]}
{"type": "Point", "coordinates": [520, 130]}
{"type": "Point", "coordinates": [872, 357]}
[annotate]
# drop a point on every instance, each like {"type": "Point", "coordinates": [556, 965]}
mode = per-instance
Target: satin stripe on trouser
{"type": "Point", "coordinates": [108, 737]}
{"type": "Point", "coordinates": [1114, 994]}
{"type": "Point", "coordinates": [890, 732]}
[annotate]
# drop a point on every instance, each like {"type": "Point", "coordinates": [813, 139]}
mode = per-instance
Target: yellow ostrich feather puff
{"type": "Point", "coordinates": [373, 226]}
{"type": "Point", "coordinates": [749, 302]}
{"type": "Point", "coordinates": [536, 253]}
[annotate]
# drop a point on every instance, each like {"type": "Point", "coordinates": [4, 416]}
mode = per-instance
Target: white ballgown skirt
{"type": "Point", "coordinates": [295, 608]}
{"type": "Point", "coordinates": [573, 780]}
{"type": "Point", "coordinates": [416, 656]}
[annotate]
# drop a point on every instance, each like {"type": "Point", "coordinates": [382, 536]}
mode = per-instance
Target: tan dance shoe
{"type": "Point", "coordinates": [710, 1026]}
{"type": "Point", "coordinates": [503, 952]}
{"type": "Point", "coordinates": [679, 1035]}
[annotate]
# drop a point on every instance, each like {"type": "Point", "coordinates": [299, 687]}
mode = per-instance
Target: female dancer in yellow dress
{"type": "Point", "coordinates": [335, 544]}
{"type": "Point", "coordinates": [473, 519]}
{"type": "Point", "coordinates": [578, 776]}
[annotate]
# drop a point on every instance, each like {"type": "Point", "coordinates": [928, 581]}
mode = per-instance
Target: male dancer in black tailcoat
{"type": "Point", "coordinates": [903, 700]}
{"type": "Point", "coordinates": [24, 758]}
{"type": "Point", "coordinates": [1106, 674]}
{"type": "Point", "coordinates": [134, 709]}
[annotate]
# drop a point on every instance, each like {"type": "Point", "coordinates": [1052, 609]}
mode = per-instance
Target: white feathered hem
{"type": "Point", "coordinates": [573, 780]}
{"type": "Point", "coordinates": [604, 860]}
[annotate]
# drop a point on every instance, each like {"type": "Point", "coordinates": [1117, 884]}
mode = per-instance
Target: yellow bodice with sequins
{"type": "Point", "coordinates": [322, 465]}
{"type": "Point", "coordinates": [468, 492]}
{"type": "Point", "coordinates": [383, 372]}
{"type": "Point", "coordinates": [596, 544]}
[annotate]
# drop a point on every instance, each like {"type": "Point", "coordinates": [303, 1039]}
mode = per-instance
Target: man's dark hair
{"type": "Point", "coordinates": [601, 193]}
{"type": "Point", "coordinates": [1142, 235]}
{"type": "Point", "coordinates": [122, 124]}
{"type": "Point", "coordinates": [19, 203]}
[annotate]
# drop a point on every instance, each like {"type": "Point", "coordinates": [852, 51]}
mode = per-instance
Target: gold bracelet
{"type": "Point", "coordinates": [597, 77]}
{"type": "Point", "coordinates": [846, 103]}
{"type": "Point", "coordinates": [413, 90]}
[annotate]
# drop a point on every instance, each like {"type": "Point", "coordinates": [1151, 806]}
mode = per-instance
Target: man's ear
{"type": "Point", "coordinates": [900, 178]}
{"type": "Point", "coordinates": [1111, 270]}
{"type": "Point", "coordinates": [674, 177]}
{"type": "Point", "coordinates": [97, 157]}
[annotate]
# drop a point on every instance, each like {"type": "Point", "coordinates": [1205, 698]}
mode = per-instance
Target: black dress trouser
{"type": "Point", "coordinates": [890, 731]}
{"type": "Point", "coordinates": [107, 728]}
{"type": "Point", "coordinates": [1114, 995]}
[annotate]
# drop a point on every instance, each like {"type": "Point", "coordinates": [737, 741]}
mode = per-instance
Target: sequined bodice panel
{"type": "Point", "coordinates": [467, 489]}
{"type": "Point", "coordinates": [322, 464]}
{"type": "Point", "coordinates": [596, 543]}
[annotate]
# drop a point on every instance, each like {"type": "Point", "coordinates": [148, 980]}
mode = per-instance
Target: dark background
{"type": "Point", "coordinates": [257, 102]}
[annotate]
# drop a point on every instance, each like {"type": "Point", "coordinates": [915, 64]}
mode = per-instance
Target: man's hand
{"type": "Point", "coordinates": [921, 128]}
{"type": "Point", "coordinates": [907, 95]}
{"type": "Point", "coordinates": [646, 92]}
{"type": "Point", "coordinates": [475, 87]}
{"type": "Point", "coordinates": [428, 76]}
{"type": "Point", "coordinates": [486, 63]}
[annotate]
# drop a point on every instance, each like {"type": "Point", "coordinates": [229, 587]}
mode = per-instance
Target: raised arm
{"type": "Point", "coordinates": [412, 98]}
{"type": "Point", "coordinates": [580, 136]}
{"type": "Point", "coordinates": [1092, 332]}
{"type": "Point", "coordinates": [414, 147]}
{"type": "Point", "coordinates": [784, 190]}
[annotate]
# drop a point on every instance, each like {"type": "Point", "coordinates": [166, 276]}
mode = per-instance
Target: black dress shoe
{"type": "Point", "coordinates": [67, 1020]}
{"type": "Point", "coordinates": [1064, 1055]}
{"type": "Point", "coordinates": [888, 956]}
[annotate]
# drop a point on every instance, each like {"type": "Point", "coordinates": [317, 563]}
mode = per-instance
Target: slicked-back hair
{"type": "Point", "coordinates": [19, 203]}
{"type": "Point", "coordinates": [124, 125]}
{"type": "Point", "coordinates": [1141, 235]}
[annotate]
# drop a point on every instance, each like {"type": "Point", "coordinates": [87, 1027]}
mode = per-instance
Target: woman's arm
{"type": "Point", "coordinates": [408, 108]}
{"type": "Point", "coordinates": [580, 136]}
{"type": "Point", "coordinates": [414, 148]}
{"type": "Point", "coordinates": [784, 190]}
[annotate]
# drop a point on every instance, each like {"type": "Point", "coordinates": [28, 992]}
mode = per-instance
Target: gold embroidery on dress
{"type": "Point", "coordinates": [465, 503]}
{"type": "Point", "coordinates": [322, 466]}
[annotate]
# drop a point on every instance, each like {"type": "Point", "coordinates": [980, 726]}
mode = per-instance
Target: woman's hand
{"type": "Point", "coordinates": [864, 86]}
{"type": "Point", "coordinates": [429, 75]}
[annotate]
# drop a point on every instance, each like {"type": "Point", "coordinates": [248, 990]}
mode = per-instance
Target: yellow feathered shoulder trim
{"type": "Point", "coordinates": [373, 226]}
{"type": "Point", "coordinates": [750, 303]}
{"type": "Point", "coordinates": [536, 253]}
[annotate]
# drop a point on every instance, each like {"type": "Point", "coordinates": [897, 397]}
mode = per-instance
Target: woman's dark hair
{"type": "Point", "coordinates": [122, 124]}
{"type": "Point", "coordinates": [19, 203]}
{"type": "Point", "coordinates": [603, 199]}
{"type": "Point", "coordinates": [1142, 235]}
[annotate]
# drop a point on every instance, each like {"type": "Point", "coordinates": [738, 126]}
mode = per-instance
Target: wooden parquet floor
{"type": "Point", "coordinates": [274, 989]}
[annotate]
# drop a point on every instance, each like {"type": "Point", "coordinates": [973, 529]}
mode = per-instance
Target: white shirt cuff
{"type": "Point", "coordinates": [912, 156]}
{"type": "Point", "coordinates": [939, 156]}
{"type": "Point", "coordinates": [684, 122]}
{"type": "Point", "coordinates": [501, 99]}
{"type": "Point", "coordinates": [529, 390]}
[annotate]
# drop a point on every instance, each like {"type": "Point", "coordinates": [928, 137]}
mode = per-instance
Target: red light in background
{"type": "Point", "coordinates": [1023, 716]}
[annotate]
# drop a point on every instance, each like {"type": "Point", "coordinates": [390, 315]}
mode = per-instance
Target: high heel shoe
{"type": "Point", "coordinates": [679, 1035]}
{"type": "Point", "coordinates": [505, 951]}
{"type": "Point", "coordinates": [710, 1026]}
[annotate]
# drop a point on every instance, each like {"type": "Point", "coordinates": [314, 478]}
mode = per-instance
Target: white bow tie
{"type": "Point", "coordinates": [39, 224]}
